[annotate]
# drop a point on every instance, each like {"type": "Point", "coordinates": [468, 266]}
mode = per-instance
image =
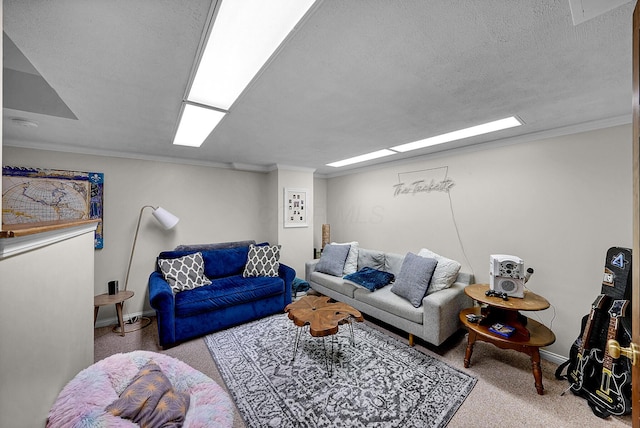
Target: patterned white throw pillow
{"type": "Point", "coordinates": [262, 261]}
{"type": "Point", "coordinates": [446, 271]}
{"type": "Point", "coordinates": [184, 273]}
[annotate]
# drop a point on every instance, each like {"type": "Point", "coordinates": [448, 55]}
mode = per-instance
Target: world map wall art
{"type": "Point", "coordinates": [34, 195]}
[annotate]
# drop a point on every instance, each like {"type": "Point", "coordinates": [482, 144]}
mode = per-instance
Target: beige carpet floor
{"type": "Point", "coordinates": [504, 395]}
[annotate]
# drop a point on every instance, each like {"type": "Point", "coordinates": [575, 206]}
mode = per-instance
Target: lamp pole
{"type": "Point", "coordinates": [133, 247]}
{"type": "Point", "coordinates": [168, 221]}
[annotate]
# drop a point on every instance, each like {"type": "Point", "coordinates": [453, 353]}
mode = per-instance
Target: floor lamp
{"type": "Point", "coordinates": [168, 221]}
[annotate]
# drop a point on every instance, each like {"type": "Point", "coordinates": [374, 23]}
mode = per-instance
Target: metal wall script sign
{"type": "Point", "coordinates": [424, 181]}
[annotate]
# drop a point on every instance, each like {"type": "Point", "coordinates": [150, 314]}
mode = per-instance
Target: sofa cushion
{"type": "Point", "coordinates": [446, 271]}
{"type": "Point", "coordinates": [262, 261]}
{"type": "Point", "coordinates": [414, 277]}
{"type": "Point", "coordinates": [213, 246]}
{"type": "Point", "coordinates": [335, 283]}
{"type": "Point", "coordinates": [184, 273]}
{"type": "Point", "coordinates": [393, 263]}
{"type": "Point", "coordinates": [332, 259]}
{"type": "Point", "coordinates": [225, 292]}
{"type": "Point", "coordinates": [371, 279]}
{"type": "Point", "coordinates": [225, 262]}
{"type": "Point", "coordinates": [371, 258]}
{"type": "Point", "coordinates": [217, 263]}
{"type": "Point", "coordinates": [385, 300]}
{"type": "Point", "coordinates": [351, 263]}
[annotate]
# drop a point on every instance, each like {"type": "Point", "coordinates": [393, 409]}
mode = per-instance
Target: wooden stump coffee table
{"type": "Point", "coordinates": [323, 316]}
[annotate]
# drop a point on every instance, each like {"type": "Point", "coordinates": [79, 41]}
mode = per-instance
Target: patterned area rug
{"type": "Point", "coordinates": [378, 382]}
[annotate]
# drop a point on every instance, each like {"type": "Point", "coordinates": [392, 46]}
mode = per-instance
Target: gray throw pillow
{"type": "Point", "coordinates": [332, 259]}
{"type": "Point", "coordinates": [414, 277]}
{"type": "Point", "coordinates": [371, 258]}
{"type": "Point", "coordinates": [262, 261]}
{"type": "Point", "coordinates": [184, 273]}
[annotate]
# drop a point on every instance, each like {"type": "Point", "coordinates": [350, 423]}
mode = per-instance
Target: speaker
{"type": "Point", "coordinates": [113, 287]}
{"type": "Point", "coordinates": [506, 275]}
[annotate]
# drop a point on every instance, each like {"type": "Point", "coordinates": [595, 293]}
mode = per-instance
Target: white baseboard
{"type": "Point", "coordinates": [550, 356]}
{"type": "Point", "coordinates": [114, 320]}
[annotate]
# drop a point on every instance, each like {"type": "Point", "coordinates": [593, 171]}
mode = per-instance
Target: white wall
{"type": "Point", "coordinates": [46, 327]}
{"type": "Point", "coordinates": [213, 204]}
{"type": "Point", "coordinates": [319, 209]}
{"type": "Point", "coordinates": [558, 203]}
{"type": "Point", "coordinates": [297, 242]}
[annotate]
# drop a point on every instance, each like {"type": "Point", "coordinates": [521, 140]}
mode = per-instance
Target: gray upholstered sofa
{"type": "Point", "coordinates": [435, 320]}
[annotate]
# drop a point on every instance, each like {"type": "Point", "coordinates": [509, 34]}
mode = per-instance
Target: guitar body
{"type": "Point", "coordinates": [582, 364]}
{"type": "Point", "coordinates": [608, 392]}
{"type": "Point", "coordinates": [592, 373]}
{"type": "Point", "coordinates": [606, 382]}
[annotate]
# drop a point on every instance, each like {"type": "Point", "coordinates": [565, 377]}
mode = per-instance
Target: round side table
{"type": "Point", "coordinates": [111, 299]}
{"type": "Point", "coordinates": [529, 335]}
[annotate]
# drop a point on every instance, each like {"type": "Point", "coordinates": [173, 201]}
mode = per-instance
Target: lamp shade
{"type": "Point", "coordinates": [165, 218]}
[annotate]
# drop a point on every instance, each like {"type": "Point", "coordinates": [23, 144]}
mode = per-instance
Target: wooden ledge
{"type": "Point", "coordinates": [24, 229]}
{"type": "Point", "coordinates": [19, 238]}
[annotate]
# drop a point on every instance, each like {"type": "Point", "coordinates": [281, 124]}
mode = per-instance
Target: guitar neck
{"type": "Point", "coordinates": [612, 332]}
{"type": "Point", "coordinates": [617, 310]}
{"type": "Point", "coordinates": [586, 335]}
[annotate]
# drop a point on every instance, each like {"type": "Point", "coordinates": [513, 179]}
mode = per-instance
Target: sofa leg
{"type": "Point", "coordinates": [410, 339]}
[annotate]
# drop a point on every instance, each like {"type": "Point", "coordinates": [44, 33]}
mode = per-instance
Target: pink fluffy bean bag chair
{"type": "Point", "coordinates": [83, 401]}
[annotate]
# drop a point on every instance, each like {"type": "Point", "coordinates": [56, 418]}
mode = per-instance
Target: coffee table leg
{"type": "Point", "coordinates": [470, 342]}
{"type": "Point", "coordinates": [328, 359]}
{"type": "Point", "coordinates": [537, 371]}
{"type": "Point", "coordinates": [353, 340]}
{"type": "Point", "coordinates": [296, 341]}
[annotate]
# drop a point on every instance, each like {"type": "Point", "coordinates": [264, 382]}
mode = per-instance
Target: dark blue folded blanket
{"type": "Point", "coordinates": [371, 279]}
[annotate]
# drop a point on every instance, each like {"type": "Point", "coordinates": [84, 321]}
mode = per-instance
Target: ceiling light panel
{"type": "Point", "coordinates": [196, 123]}
{"type": "Point", "coordinates": [244, 36]}
{"type": "Point", "coordinates": [473, 131]}
{"type": "Point", "coordinates": [362, 158]}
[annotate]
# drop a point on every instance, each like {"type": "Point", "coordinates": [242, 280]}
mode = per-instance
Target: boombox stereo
{"type": "Point", "coordinates": [507, 275]}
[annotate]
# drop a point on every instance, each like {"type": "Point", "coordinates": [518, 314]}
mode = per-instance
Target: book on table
{"type": "Point", "coordinates": [502, 329]}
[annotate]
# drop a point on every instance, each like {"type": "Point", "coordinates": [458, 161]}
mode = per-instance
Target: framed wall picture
{"type": "Point", "coordinates": [33, 195]}
{"type": "Point", "coordinates": [295, 208]}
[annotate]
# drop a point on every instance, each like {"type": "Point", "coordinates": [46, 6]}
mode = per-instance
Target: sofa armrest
{"type": "Point", "coordinates": [161, 299]}
{"type": "Point", "coordinates": [309, 268]}
{"type": "Point", "coordinates": [287, 274]}
{"type": "Point", "coordinates": [464, 278]}
{"type": "Point", "coordinates": [441, 311]}
{"type": "Point", "coordinates": [160, 294]}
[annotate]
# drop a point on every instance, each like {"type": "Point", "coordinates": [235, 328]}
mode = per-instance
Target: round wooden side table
{"type": "Point", "coordinates": [529, 335]}
{"type": "Point", "coordinates": [111, 299]}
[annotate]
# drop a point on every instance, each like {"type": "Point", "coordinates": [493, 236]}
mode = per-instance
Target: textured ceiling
{"type": "Point", "coordinates": [356, 76]}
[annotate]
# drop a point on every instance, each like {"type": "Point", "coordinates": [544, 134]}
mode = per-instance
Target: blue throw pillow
{"type": "Point", "coordinates": [414, 277]}
{"type": "Point", "coordinates": [332, 259]}
{"type": "Point", "coordinates": [369, 278]}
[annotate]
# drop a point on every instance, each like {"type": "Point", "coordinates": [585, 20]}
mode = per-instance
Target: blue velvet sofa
{"type": "Point", "coordinates": [229, 300]}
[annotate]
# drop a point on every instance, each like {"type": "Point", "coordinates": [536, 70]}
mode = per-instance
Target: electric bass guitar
{"type": "Point", "coordinates": [583, 360]}
{"type": "Point", "coordinates": [609, 397]}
